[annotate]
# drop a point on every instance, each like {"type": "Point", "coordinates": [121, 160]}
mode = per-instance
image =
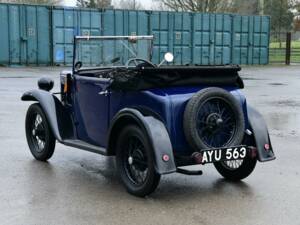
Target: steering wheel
{"type": "Point", "coordinates": [138, 61]}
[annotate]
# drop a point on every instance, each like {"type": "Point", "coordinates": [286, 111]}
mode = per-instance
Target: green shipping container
{"type": "Point", "coordinates": [250, 39]}
{"type": "Point", "coordinates": [25, 35]}
{"type": "Point", "coordinates": [193, 38]}
{"type": "Point", "coordinates": [41, 35]}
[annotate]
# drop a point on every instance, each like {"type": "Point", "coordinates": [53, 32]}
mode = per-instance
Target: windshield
{"type": "Point", "coordinates": [111, 51]}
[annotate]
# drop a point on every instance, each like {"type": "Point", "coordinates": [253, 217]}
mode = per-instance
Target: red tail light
{"type": "Point", "coordinates": [267, 147]}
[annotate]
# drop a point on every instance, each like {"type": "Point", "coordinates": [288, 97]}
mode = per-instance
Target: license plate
{"type": "Point", "coordinates": [223, 154]}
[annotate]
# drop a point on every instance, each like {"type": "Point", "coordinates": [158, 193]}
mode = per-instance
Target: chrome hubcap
{"type": "Point", "coordinates": [136, 166]}
{"type": "Point", "coordinates": [38, 133]}
{"type": "Point", "coordinates": [130, 160]}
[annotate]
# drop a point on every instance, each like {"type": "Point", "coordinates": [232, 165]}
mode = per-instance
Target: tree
{"type": "Point", "coordinates": [158, 5]}
{"type": "Point", "coordinates": [199, 5]}
{"type": "Point", "coordinates": [281, 15]}
{"type": "Point", "coordinates": [94, 3]}
{"type": "Point", "coordinates": [246, 7]}
{"type": "Point", "coordinates": [35, 2]}
{"type": "Point", "coordinates": [297, 6]}
{"type": "Point", "coordinates": [129, 4]}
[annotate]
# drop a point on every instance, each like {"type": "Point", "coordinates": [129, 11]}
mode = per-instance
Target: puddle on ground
{"type": "Point", "coordinates": [289, 103]}
{"type": "Point", "coordinates": [277, 84]}
{"type": "Point", "coordinates": [251, 78]}
{"type": "Point", "coordinates": [283, 124]}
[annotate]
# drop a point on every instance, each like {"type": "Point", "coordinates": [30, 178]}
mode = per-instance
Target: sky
{"type": "Point", "coordinates": [145, 3]}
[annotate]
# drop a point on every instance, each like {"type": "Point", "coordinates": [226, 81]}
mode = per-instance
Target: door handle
{"type": "Point", "coordinates": [104, 92]}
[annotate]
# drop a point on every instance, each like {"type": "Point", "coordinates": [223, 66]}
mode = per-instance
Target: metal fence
{"type": "Point", "coordinates": [285, 48]}
{"type": "Point", "coordinates": [43, 35]}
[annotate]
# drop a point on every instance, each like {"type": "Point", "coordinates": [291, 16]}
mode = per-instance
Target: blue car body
{"type": "Point", "coordinates": [94, 113]}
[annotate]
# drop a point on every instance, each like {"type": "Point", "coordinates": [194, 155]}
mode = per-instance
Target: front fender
{"type": "Point", "coordinates": [55, 112]}
{"type": "Point", "coordinates": [261, 135]}
{"type": "Point", "coordinates": [156, 132]}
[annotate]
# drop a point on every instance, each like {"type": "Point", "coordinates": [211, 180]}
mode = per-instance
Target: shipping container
{"type": "Point", "coordinates": [42, 35]}
{"type": "Point", "coordinates": [212, 39]}
{"type": "Point", "coordinates": [64, 27]}
{"type": "Point", "coordinates": [250, 39]}
{"type": "Point", "coordinates": [25, 34]}
{"type": "Point", "coordinates": [172, 33]}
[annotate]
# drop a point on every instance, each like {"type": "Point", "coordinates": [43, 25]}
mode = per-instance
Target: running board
{"type": "Point", "coordinates": [84, 146]}
{"type": "Point", "coordinates": [189, 172]}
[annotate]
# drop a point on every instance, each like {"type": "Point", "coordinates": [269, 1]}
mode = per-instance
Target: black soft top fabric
{"type": "Point", "coordinates": [147, 77]}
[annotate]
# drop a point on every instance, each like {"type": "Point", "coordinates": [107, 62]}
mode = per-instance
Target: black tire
{"type": "Point", "coordinates": [213, 99]}
{"type": "Point", "coordinates": [40, 138]}
{"type": "Point", "coordinates": [135, 161]}
{"type": "Point", "coordinates": [235, 174]}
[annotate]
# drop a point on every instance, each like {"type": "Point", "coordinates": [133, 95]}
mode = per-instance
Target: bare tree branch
{"type": "Point", "coordinates": [128, 4]}
{"type": "Point", "coordinates": [94, 3]}
{"type": "Point", "coordinates": [200, 5]}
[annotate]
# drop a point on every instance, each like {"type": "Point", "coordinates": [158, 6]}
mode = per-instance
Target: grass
{"type": "Point", "coordinates": [294, 44]}
{"type": "Point", "coordinates": [277, 54]}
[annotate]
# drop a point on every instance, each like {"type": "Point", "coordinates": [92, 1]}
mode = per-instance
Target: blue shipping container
{"type": "Point", "coordinates": [25, 34]}
{"type": "Point", "coordinates": [41, 35]}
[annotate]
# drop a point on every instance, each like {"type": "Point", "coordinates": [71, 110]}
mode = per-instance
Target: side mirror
{"type": "Point", "coordinates": [78, 65]}
{"type": "Point", "coordinates": [168, 57]}
{"type": "Point", "coordinates": [45, 84]}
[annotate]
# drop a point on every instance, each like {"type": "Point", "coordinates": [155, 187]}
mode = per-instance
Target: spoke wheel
{"type": "Point", "coordinates": [213, 118]}
{"type": "Point", "coordinates": [232, 164]}
{"type": "Point", "coordinates": [38, 133]}
{"type": "Point", "coordinates": [216, 122]}
{"type": "Point", "coordinates": [39, 136]}
{"type": "Point", "coordinates": [135, 161]}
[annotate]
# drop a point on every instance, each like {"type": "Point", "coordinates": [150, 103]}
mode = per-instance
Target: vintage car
{"type": "Point", "coordinates": [155, 118]}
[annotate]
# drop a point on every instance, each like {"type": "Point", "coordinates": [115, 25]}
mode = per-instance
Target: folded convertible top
{"type": "Point", "coordinates": [168, 76]}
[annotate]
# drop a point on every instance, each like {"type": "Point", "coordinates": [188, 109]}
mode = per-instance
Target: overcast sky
{"type": "Point", "coordinates": [146, 3]}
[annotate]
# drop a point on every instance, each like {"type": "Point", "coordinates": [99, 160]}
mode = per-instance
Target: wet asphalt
{"type": "Point", "coordinates": [77, 187]}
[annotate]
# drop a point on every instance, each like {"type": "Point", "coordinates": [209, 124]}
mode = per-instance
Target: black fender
{"type": "Point", "coordinates": [261, 135]}
{"type": "Point", "coordinates": [56, 114]}
{"type": "Point", "coordinates": [157, 134]}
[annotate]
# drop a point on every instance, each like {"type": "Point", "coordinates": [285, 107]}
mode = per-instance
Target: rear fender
{"type": "Point", "coordinates": [156, 132]}
{"type": "Point", "coordinates": [261, 135]}
{"type": "Point", "coordinates": [56, 114]}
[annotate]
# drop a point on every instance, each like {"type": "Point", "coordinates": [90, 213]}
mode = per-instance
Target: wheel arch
{"type": "Point", "coordinates": [155, 131]}
{"type": "Point", "coordinates": [56, 114]}
{"type": "Point", "coordinates": [260, 134]}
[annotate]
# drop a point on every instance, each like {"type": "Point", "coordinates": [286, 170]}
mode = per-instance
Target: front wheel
{"type": "Point", "coordinates": [135, 161]}
{"type": "Point", "coordinates": [236, 169]}
{"type": "Point", "coordinates": [39, 136]}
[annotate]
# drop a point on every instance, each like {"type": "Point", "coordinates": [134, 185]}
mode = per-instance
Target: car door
{"type": "Point", "coordinates": [91, 109]}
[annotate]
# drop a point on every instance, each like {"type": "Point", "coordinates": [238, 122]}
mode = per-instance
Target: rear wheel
{"type": "Point", "coordinates": [39, 136]}
{"type": "Point", "coordinates": [236, 169]}
{"type": "Point", "coordinates": [135, 162]}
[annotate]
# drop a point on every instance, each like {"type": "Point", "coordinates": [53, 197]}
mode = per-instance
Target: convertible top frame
{"type": "Point", "coordinates": [130, 38]}
{"type": "Point", "coordinates": [145, 37]}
